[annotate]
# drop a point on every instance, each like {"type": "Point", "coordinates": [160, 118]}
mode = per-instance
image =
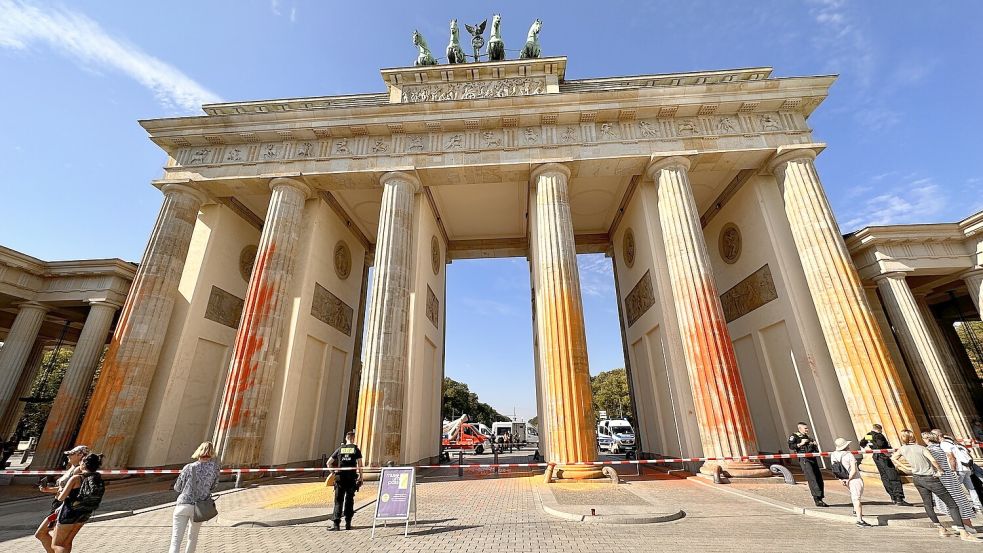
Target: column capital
{"type": "Point", "coordinates": [300, 186]}
{"type": "Point", "coordinates": [793, 152]}
{"type": "Point", "coordinates": [186, 188]}
{"type": "Point", "coordinates": [675, 159]}
{"type": "Point", "coordinates": [549, 168]}
{"type": "Point", "coordinates": [33, 305]}
{"type": "Point", "coordinates": [893, 275]}
{"type": "Point", "coordinates": [101, 302]}
{"type": "Point", "coordinates": [403, 177]}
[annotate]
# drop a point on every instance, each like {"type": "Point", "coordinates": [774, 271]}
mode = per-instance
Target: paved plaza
{"type": "Point", "coordinates": [497, 514]}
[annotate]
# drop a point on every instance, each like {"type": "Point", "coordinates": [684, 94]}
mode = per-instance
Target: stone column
{"type": "Point", "coordinates": [722, 411]}
{"type": "Point", "coordinates": [974, 282]}
{"type": "Point", "coordinates": [131, 361]}
{"type": "Point", "coordinates": [15, 407]}
{"type": "Point", "coordinates": [17, 348]}
{"type": "Point", "coordinates": [379, 424]}
{"type": "Point", "coordinates": [868, 378]}
{"type": "Point", "coordinates": [960, 379]}
{"type": "Point", "coordinates": [241, 423]}
{"type": "Point", "coordinates": [562, 345]}
{"type": "Point", "coordinates": [67, 408]}
{"type": "Point", "coordinates": [927, 366]}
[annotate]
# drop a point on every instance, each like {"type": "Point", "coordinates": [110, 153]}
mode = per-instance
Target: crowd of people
{"type": "Point", "coordinates": [943, 473]}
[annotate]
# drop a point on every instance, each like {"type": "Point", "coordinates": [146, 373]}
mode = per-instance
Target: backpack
{"type": "Point", "coordinates": [90, 494]}
{"type": "Point", "coordinates": [840, 471]}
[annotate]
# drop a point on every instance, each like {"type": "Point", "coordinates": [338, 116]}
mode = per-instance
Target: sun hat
{"type": "Point", "coordinates": [83, 449]}
{"type": "Point", "coordinates": [841, 444]}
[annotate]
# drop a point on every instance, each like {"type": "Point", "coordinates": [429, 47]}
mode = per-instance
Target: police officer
{"type": "Point", "coordinates": [802, 442]}
{"type": "Point", "coordinates": [346, 482]}
{"type": "Point", "coordinates": [875, 439]}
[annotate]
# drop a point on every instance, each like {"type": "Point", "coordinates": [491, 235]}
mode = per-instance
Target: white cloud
{"type": "Point", "coordinates": [23, 25]}
{"type": "Point", "coordinates": [275, 7]}
{"type": "Point", "coordinates": [596, 275]}
{"type": "Point", "coordinates": [842, 41]}
{"type": "Point", "coordinates": [293, 14]}
{"type": "Point", "coordinates": [917, 201]}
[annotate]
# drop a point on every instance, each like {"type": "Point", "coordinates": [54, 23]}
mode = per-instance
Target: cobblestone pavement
{"type": "Point", "coordinates": [504, 514]}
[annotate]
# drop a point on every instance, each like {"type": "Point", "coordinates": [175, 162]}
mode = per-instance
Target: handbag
{"type": "Point", "coordinates": [331, 479]}
{"type": "Point", "coordinates": [205, 510]}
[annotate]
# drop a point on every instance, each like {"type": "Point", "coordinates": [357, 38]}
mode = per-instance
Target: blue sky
{"type": "Point", "coordinates": [902, 121]}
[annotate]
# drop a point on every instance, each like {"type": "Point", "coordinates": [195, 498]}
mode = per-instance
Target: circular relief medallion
{"type": "Point", "coordinates": [435, 255]}
{"type": "Point", "coordinates": [342, 260]}
{"type": "Point", "coordinates": [247, 258]}
{"type": "Point", "coordinates": [730, 243]}
{"type": "Point", "coordinates": [628, 248]}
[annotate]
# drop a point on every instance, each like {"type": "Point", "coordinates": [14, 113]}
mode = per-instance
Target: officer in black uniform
{"type": "Point", "coordinates": [875, 439]}
{"type": "Point", "coordinates": [802, 442]}
{"type": "Point", "coordinates": [346, 482]}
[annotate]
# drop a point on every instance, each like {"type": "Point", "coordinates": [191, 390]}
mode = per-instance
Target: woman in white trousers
{"type": "Point", "coordinates": [194, 484]}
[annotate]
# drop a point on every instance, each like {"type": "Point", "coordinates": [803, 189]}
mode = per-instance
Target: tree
{"type": "Point", "coordinates": [458, 400]}
{"type": "Point", "coordinates": [971, 335]}
{"type": "Point", "coordinates": [45, 387]}
{"type": "Point", "coordinates": [610, 391]}
{"type": "Point", "coordinates": [534, 421]}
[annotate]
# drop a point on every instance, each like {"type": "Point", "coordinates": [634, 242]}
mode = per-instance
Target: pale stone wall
{"type": "Point", "coordinates": [663, 399]}
{"type": "Point", "coordinates": [194, 361]}
{"type": "Point", "coordinates": [425, 355]}
{"type": "Point", "coordinates": [310, 397]}
{"type": "Point", "coordinates": [783, 382]}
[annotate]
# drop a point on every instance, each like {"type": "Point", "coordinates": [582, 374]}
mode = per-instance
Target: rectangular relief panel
{"type": "Point", "coordinates": [433, 307]}
{"type": "Point", "coordinates": [749, 294]}
{"type": "Point", "coordinates": [330, 310]}
{"type": "Point", "coordinates": [224, 308]}
{"type": "Point", "coordinates": [640, 299]}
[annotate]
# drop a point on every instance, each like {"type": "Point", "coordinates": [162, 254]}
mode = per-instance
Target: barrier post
{"type": "Point", "coordinates": [460, 463]}
{"type": "Point", "coordinates": [238, 479]}
{"type": "Point", "coordinates": [496, 461]}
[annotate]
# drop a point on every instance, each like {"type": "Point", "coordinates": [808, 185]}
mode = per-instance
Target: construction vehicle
{"type": "Point", "coordinates": [460, 434]}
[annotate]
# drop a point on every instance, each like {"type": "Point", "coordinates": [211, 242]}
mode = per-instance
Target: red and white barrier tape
{"type": "Point", "coordinates": [249, 470]}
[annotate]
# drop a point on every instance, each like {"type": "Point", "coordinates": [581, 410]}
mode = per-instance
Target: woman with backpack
{"type": "Point", "coordinates": [80, 498]}
{"type": "Point", "coordinates": [195, 484]}
{"type": "Point", "coordinates": [845, 468]}
{"type": "Point", "coordinates": [75, 456]}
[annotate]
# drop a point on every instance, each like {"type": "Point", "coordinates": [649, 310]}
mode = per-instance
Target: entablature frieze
{"type": "Point", "coordinates": [436, 145]}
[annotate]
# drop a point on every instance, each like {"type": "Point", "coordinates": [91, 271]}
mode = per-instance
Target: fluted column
{"type": "Point", "coordinates": [560, 327]}
{"type": "Point", "coordinates": [131, 360]}
{"type": "Point", "coordinates": [379, 424]}
{"type": "Point", "coordinates": [241, 423]}
{"type": "Point", "coordinates": [722, 411]}
{"type": "Point", "coordinates": [15, 408]}
{"type": "Point", "coordinates": [974, 282]}
{"type": "Point", "coordinates": [960, 384]}
{"type": "Point", "coordinates": [925, 361]}
{"type": "Point", "coordinates": [67, 407]}
{"type": "Point", "coordinates": [17, 348]}
{"type": "Point", "coordinates": [868, 378]}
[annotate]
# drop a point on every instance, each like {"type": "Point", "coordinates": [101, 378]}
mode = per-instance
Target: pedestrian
{"type": "Point", "coordinates": [961, 461]}
{"type": "Point", "coordinates": [802, 442]}
{"type": "Point", "coordinates": [44, 532]}
{"type": "Point", "coordinates": [925, 475]}
{"type": "Point", "coordinates": [949, 480]}
{"type": "Point", "coordinates": [845, 467]}
{"type": "Point", "coordinates": [890, 478]}
{"type": "Point", "coordinates": [977, 430]}
{"type": "Point", "coordinates": [80, 498]}
{"type": "Point", "coordinates": [347, 482]}
{"type": "Point", "coordinates": [194, 484]}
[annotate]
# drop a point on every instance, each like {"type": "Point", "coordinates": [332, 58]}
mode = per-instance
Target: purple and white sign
{"type": "Point", "coordinates": [395, 493]}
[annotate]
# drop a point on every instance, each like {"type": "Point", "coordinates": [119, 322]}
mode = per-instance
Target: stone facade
{"type": "Point", "coordinates": [742, 313]}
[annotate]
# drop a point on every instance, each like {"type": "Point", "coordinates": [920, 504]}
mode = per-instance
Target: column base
{"type": "Point", "coordinates": [578, 472]}
{"type": "Point", "coordinates": [737, 469]}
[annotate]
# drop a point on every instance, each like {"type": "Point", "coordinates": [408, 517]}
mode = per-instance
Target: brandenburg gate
{"type": "Point", "coordinates": [741, 310]}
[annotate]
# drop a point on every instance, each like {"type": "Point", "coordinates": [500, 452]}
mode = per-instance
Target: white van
{"type": "Point", "coordinates": [516, 428]}
{"type": "Point", "coordinates": [532, 435]}
{"type": "Point", "coordinates": [616, 436]}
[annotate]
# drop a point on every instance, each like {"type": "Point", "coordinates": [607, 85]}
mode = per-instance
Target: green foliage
{"type": "Point", "coordinates": [610, 391]}
{"type": "Point", "coordinates": [534, 421]}
{"type": "Point", "coordinates": [458, 399]}
{"type": "Point", "coordinates": [46, 386]}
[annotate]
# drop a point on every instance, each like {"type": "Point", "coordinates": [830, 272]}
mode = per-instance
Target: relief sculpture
{"type": "Point", "coordinates": [640, 299]}
{"type": "Point", "coordinates": [330, 310]}
{"type": "Point", "coordinates": [224, 308]}
{"type": "Point", "coordinates": [433, 306]}
{"type": "Point", "coordinates": [749, 294]}
{"type": "Point", "coordinates": [504, 88]}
